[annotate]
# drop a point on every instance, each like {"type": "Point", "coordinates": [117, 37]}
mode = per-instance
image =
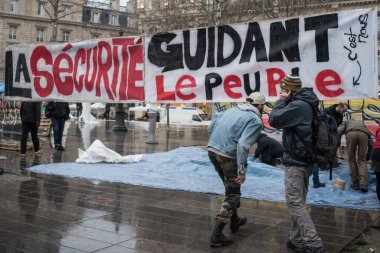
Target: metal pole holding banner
{"type": "Point", "coordinates": [152, 114]}
{"type": "Point", "coordinates": [167, 116]}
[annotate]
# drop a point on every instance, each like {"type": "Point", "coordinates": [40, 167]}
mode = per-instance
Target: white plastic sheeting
{"type": "Point", "coordinates": [98, 153]}
{"type": "Point", "coordinates": [189, 169]}
{"type": "Point", "coordinates": [86, 115]}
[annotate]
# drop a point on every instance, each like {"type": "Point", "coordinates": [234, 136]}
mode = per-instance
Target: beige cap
{"type": "Point", "coordinates": [256, 98]}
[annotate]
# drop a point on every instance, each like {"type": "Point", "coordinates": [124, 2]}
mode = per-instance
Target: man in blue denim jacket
{"type": "Point", "coordinates": [230, 137]}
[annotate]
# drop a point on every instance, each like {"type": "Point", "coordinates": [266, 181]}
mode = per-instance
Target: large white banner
{"type": "Point", "coordinates": [334, 53]}
{"type": "Point", "coordinates": [109, 70]}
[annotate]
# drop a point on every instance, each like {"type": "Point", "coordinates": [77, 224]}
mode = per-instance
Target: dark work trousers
{"type": "Point", "coordinates": [378, 185]}
{"type": "Point", "coordinates": [227, 170]}
{"type": "Point", "coordinates": [58, 126]}
{"type": "Point", "coordinates": [357, 143]}
{"type": "Point", "coordinates": [375, 164]}
{"type": "Point", "coordinates": [27, 127]}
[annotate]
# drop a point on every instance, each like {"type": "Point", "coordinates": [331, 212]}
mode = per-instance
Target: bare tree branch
{"type": "Point", "coordinates": [167, 15]}
{"type": "Point", "coordinates": [55, 9]}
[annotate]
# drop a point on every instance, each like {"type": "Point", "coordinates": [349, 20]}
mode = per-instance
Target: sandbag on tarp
{"type": "Point", "coordinates": [98, 153]}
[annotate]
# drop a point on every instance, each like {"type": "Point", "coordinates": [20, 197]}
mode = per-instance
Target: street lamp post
{"type": "Point", "coordinates": [119, 118]}
{"type": "Point", "coordinates": [119, 111]}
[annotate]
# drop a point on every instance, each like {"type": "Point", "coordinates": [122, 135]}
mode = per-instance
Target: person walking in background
{"type": "Point", "coordinates": [58, 112]}
{"type": "Point", "coordinates": [107, 110]}
{"type": "Point", "coordinates": [268, 149]}
{"type": "Point", "coordinates": [30, 113]}
{"type": "Point", "coordinates": [79, 109]}
{"type": "Point", "coordinates": [293, 113]}
{"type": "Point", "coordinates": [230, 137]}
{"type": "Point", "coordinates": [375, 161]}
{"type": "Point", "coordinates": [357, 139]}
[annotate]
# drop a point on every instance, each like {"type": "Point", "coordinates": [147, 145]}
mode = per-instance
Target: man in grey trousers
{"type": "Point", "coordinates": [293, 113]}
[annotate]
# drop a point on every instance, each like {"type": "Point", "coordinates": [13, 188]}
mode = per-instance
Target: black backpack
{"type": "Point", "coordinates": [325, 138]}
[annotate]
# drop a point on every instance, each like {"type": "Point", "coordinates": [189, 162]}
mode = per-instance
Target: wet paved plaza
{"type": "Point", "coordinates": [45, 213]}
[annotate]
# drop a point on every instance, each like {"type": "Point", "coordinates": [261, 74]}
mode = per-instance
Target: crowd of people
{"type": "Point", "coordinates": [232, 134]}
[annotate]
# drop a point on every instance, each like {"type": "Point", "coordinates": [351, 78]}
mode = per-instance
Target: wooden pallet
{"type": "Point", "coordinates": [14, 145]}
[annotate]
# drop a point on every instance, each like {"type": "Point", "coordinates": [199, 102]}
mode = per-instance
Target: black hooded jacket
{"type": "Point", "coordinates": [59, 110]}
{"type": "Point", "coordinates": [30, 112]}
{"type": "Point", "coordinates": [265, 143]}
{"type": "Point", "coordinates": [337, 115]}
{"type": "Point", "coordinates": [295, 118]}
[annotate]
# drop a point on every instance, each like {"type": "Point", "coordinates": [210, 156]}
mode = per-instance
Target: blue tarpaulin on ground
{"type": "Point", "coordinates": [189, 169]}
{"type": "Point", "coordinates": [2, 87]}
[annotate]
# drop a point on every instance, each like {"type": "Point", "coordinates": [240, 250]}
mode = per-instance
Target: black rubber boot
{"type": "Point", "coordinates": [355, 185]}
{"type": "Point", "coordinates": [364, 188]}
{"type": "Point", "coordinates": [218, 239]}
{"type": "Point", "coordinates": [236, 222]}
{"type": "Point", "coordinates": [319, 184]}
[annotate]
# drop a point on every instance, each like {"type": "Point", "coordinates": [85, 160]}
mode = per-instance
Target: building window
{"type": "Point", "coordinates": [41, 9]}
{"type": "Point", "coordinates": [113, 20]}
{"type": "Point", "coordinates": [13, 32]}
{"type": "Point", "coordinates": [95, 17]}
{"type": "Point", "coordinates": [66, 36]}
{"type": "Point", "coordinates": [40, 34]}
{"type": "Point", "coordinates": [95, 35]}
{"type": "Point", "coordinates": [14, 6]}
{"type": "Point", "coordinates": [67, 11]}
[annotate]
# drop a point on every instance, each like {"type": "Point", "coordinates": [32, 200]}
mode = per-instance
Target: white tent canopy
{"type": "Point", "coordinates": [144, 108]}
{"type": "Point", "coordinates": [98, 106]}
{"type": "Point", "coordinates": [138, 109]}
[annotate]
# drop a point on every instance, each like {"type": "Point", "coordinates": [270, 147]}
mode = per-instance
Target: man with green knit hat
{"type": "Point", "coordinates": [293, 113]}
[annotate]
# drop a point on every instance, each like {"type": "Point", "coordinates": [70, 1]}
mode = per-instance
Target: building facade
{"type": "Point", "coordinates": [31, 21]}
{"type": "Point", "coordinates": [166, 15]}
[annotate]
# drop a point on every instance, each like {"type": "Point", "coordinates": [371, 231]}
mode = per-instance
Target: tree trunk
{"type": "Point", "coordinates": [53, 31]}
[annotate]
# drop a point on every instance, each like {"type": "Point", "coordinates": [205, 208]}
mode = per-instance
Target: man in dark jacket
{"type": "Point", "coordinates": [268, 149]}
{"type": "Point", "coordinates": [30, 113]}
{"type": "Point", "coordinates": [60, 112]}
{"type": "Point", "coordinates": [293, 113]}
{"type": "Point", "coordinates": [337, 111]}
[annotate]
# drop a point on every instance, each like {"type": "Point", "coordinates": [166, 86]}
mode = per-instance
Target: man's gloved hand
{"type": "Point", "coordinates": [241, 175]}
